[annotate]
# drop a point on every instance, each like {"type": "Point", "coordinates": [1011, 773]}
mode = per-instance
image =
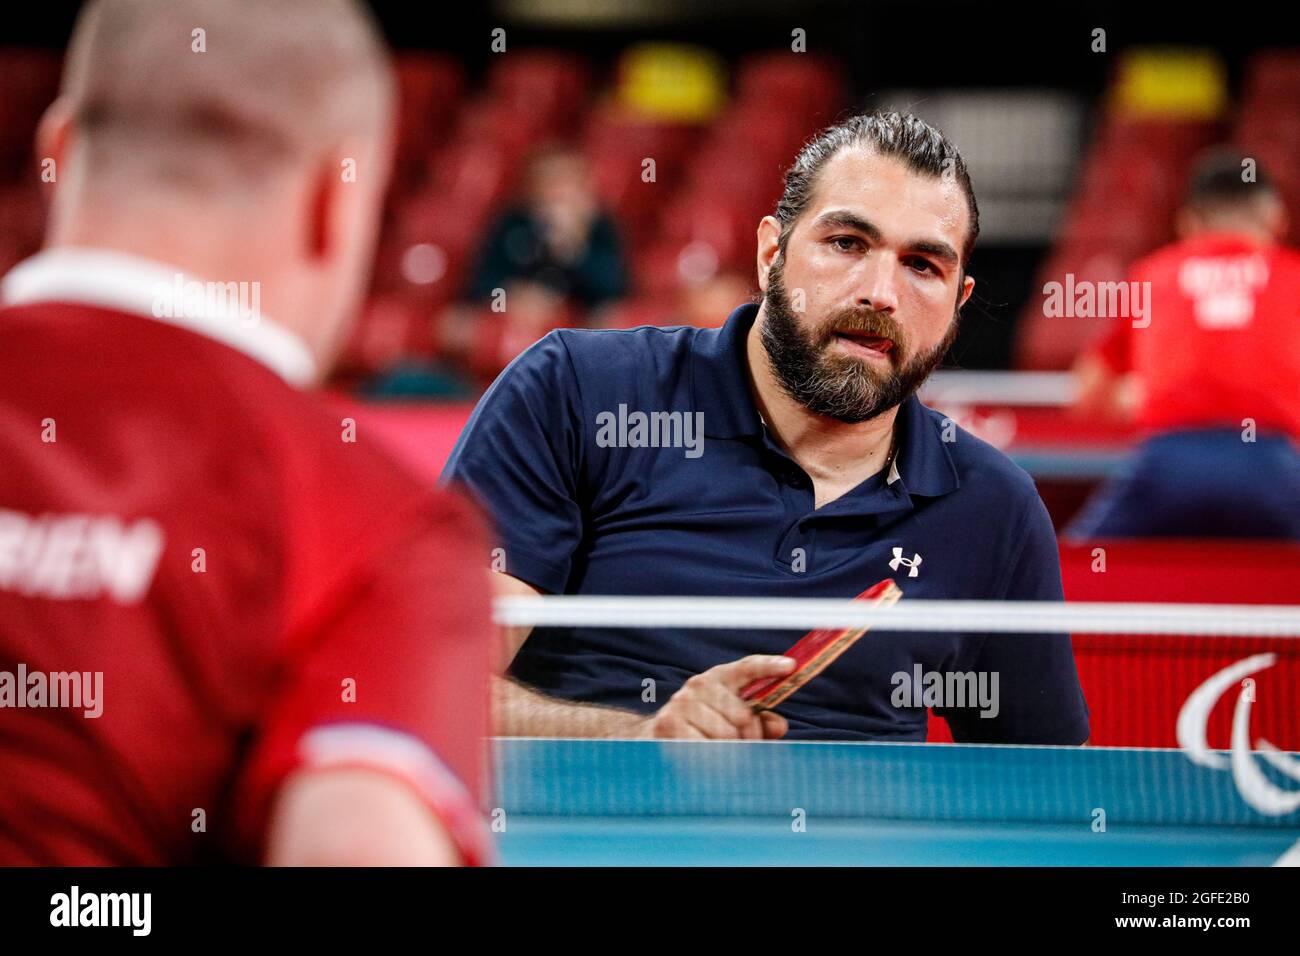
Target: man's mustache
{"type": "Point", "coordinates": [866, 322]}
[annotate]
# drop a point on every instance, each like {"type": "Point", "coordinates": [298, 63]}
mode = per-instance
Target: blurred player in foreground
{"type": "Point", "coordinates": [227, 631]}
{"type": "Point", "coordinates": [1213, 379]}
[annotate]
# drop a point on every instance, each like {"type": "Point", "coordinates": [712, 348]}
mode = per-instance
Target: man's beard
{"type": "Point", "coordinates": [832, 384]}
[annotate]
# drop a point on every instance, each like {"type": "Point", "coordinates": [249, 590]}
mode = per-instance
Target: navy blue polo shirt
{"type": "Point", "coordinates": [585, 503]}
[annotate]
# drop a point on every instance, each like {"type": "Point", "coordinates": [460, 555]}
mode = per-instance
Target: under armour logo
{"type": "Point", "coordinates": [912, 563]}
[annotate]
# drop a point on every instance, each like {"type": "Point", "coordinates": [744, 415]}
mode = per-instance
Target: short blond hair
{"type": "Point", "coordinates": [267, 82]}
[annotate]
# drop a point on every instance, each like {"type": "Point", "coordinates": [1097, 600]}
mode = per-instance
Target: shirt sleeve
{"type": "Point", "coordinates": [393, 678]}
{"type": "Point", "coordinates": [1038, 699]}
{"type": "Point", "coordinates": [519, 455]}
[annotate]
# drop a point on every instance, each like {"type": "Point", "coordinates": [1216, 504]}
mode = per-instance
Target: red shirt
{"type": "Point", "coordinates": [1223, 343]}
{"type": "Point", "coordinates": [335, 615]}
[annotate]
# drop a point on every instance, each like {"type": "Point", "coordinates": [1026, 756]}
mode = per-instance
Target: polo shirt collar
{"type": "Point", "coordinates": [923, 462]}
{"type": "Point", "coordinates": [127, 283]}
{"type": "Point", "coordinates": [720, 385]}
{"type": "Point", "coordinates": [720, 378]}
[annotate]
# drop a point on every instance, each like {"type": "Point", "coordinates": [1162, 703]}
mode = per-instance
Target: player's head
{"type": "Point", "coordinates": [1228, 192]}
{"type": "Point", "coordinates": [241, 140]}
{"type": "Point", "coordinates": [870, 241]}
{"type": "Point", "coordinates": [558, 173]}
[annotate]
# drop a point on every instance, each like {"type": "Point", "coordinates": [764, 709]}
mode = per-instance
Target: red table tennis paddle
{"type": "Point", "coordinates": [814, 652]}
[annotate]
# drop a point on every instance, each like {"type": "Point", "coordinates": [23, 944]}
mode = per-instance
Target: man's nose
{"type": "Point", "coordinates": [878, 283]}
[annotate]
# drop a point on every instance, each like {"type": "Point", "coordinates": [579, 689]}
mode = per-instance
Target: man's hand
{"type": "Point", "coordinates": [709, 705]}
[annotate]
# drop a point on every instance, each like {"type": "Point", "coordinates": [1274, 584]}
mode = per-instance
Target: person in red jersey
{"type": "Point", "coordinates": [230, 629]}
{"type": "Point", "coordinates": [1211, 373]}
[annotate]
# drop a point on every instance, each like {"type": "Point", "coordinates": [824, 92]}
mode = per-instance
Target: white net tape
{"type": "Point", "coordinates": [1007, 617]}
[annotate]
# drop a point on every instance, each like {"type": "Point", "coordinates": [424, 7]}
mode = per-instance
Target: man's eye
{"type": "Point", "coordinates": [845, 243]}
{"type": "Point", "coordinates": [922, 265]}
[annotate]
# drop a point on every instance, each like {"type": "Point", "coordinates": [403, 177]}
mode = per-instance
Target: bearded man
{"type": "Point", "coordinates": [783, 454]}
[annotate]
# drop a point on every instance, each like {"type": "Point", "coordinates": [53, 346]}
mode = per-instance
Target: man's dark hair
{"type": "Point", "coordinates": [1218, 179]}
{"type": "Point", "coordinates": [922, 147]}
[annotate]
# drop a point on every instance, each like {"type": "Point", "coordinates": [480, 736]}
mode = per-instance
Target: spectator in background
{"type": "Point", "coordinates": [556, 244]}
{"type": "Point", "coordinates": [554, 254]}
{"type": "Point", "coordinates": [1213, 380]}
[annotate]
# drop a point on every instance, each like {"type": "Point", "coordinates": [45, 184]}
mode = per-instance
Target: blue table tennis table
{"type": "Point", "coordinates": [684, 803]}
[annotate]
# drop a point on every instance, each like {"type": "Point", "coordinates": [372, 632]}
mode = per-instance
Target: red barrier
{"type": "Point", "coordinates": [1137, 684]}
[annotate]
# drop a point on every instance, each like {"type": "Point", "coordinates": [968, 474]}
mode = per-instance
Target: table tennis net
{"type": "Point", "coordinates": [1142, 667]}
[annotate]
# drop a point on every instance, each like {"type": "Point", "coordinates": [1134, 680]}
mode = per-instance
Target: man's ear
{"type": "Point", "coordinates": [339, 195]}
{"type": "Point", "coordinates": [967, 287]}
{"type": "Point", "coordinates": [769, 245]}
{"type": "Point", "coordinates": [54, 134]}
{"type": "Point", "coordinates": [322, 220]}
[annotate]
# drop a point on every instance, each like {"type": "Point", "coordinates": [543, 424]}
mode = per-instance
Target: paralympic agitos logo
{"type": "Point", "coordinates": [1255, 787]}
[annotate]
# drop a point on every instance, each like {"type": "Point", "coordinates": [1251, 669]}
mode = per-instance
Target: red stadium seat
{"type": "Point", "coordinates": [806, 85]}
{"type": "Point", "coordinates": [631, 313]}
{"type": "Point", "coordinates": [429, 91]}
{"type": "Point", "coordinates": [768, 136]}
{"type": "Point", "coordinates": [503, 123]}
{"type": "Point", "coordinates": [726, 226]}
{"type": "Point", "coordinates": [655, 271]}
{"type": "Point", "coordinates": [444, 233]}
{"type": "Point", "coordinates": [30, 81]}
{"type": "Point", "coordinates": [1269, 131]}
{"type": "Point", "coordinates": [718, 169]}
{"type": "Point", "coordinates": [1273, 76]}
{"type": "Point", "coordinates": [389, 328]}
{"type": "Point", "coordinates": [1051, 342]}
{"type": "Point", "coordinates": [547, 84]}
{"type": "Point", "coordinates": [618, 147]}
{"type": "Point", "coordinates": [22, 213]}
{"type": "Point", "coordinates": [667, 143]}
